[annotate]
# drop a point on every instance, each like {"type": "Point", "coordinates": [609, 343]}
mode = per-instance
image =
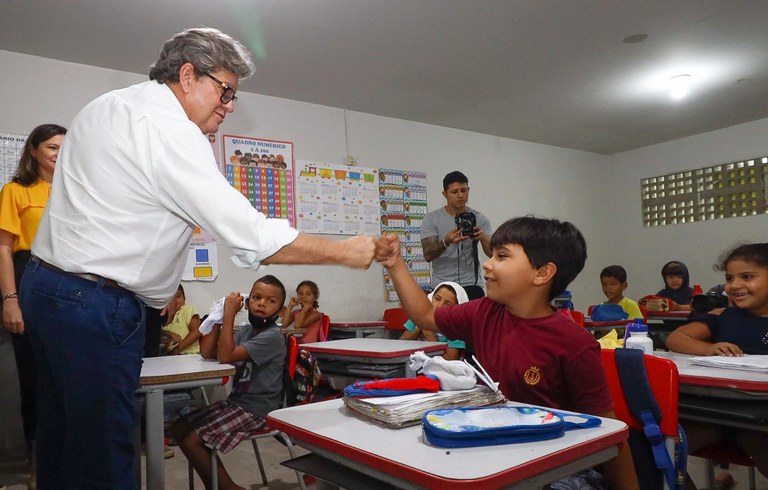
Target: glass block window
{"type": "Point", "coordinates": [727, 190]}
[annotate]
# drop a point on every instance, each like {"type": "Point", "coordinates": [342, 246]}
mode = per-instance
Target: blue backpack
{"type": "Point", "coordinates": [652, 461]}
{"type": "Point", "coordinates": [608, 313]}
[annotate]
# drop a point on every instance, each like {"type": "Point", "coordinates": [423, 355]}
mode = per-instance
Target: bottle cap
{"type": "Point", "coordinates": [637, 326]}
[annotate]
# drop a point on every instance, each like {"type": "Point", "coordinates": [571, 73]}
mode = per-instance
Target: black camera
{"type": "Point", "coordinates": [466, 222]}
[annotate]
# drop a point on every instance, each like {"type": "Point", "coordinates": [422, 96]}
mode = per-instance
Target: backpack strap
{"type": "Point", "coordinates": [642, 404]}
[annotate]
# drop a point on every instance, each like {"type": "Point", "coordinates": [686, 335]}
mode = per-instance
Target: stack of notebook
{"type": "Point", "coordinates": [405, 410]}
{"type": "Point", "coordinates": [746, 362]}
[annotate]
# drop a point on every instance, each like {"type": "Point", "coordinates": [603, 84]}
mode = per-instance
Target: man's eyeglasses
{"type": "Point", "coordinates": [228, 95]}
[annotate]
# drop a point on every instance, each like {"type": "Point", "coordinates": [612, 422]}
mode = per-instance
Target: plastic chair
{"type": "Point", "coordinates": [664, 379]}
{"type": "Point", "coordinates": [293, 353]}
{"type": "Point", "coordinates": [395, 318]}
{"type": "Point", "coordinates": [578, 317]}
{"type": "Point", "coordinates": [325, 330]}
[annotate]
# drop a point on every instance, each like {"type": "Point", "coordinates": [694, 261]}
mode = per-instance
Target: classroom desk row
{"type": "Point", "coordinates": [402, 458]}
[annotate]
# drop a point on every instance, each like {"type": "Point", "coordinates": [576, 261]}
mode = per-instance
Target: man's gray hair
{"type": "Point", "coordinates": [207, 49]}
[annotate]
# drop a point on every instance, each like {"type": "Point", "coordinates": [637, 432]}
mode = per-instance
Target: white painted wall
{"type": "Point", "coordinates": [643, 251]}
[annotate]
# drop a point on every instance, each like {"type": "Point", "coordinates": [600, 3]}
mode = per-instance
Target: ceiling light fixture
{"type": "Point", "coordinates": [679, 86]}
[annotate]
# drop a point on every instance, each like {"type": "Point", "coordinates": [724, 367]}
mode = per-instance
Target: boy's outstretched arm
{"type": "Point", "coordinates": [414, 301]}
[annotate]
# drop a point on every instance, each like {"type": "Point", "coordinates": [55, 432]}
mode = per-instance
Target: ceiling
{"type": "Point", "coordinates": [555, 72]}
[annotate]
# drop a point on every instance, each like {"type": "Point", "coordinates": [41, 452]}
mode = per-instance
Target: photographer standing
{"type": "Point", "coordinates": [450, 235]}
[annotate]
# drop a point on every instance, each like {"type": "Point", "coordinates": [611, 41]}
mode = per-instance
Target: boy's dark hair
{"type": "Point", "coordinates": [544, 241]}
{"type": "Point", "coordinates": [273, 281]}
{"type": "Point", "coordinates": [181, 288]}
{"type": "Point", "coordinates": [615, 271]}
{"type": "Point", "coordinates": [454, 177]}
{"type": "Point", "coordinates": [673, 269]}
{"type": "Point", "coordinates": [750, 252]}
{"type": "Point", "coordinates": [313, 287]}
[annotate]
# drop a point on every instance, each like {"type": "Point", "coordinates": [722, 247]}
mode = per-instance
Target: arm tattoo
{"type": "Point", "coordinates": [432, 247]}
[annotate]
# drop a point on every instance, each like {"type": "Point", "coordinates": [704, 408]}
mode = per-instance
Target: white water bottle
{"type": "Point", "coordinates": [638, 337]}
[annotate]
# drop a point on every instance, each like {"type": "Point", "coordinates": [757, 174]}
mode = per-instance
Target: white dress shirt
{"type": "Point", "coordinates": [133, 178]}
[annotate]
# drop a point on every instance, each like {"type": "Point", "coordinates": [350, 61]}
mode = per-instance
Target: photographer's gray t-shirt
{"type": "Point", "coordinates": [456, 263]}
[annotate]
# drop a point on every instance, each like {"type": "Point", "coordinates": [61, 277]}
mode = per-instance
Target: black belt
{"type": "Point", "coordinates": [89, 277]}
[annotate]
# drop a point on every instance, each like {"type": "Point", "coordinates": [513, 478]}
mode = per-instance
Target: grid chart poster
{"type": "Point", "coordinates": [12, 147]}
{"type": "Point", "coordinates": [262, 170]}
{"type": "Point", "coordinates": [403, 204]}
{"type": "Point", "coordinates": [336, 199]}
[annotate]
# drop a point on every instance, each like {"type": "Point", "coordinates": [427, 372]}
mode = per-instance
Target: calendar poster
{"type": "Point", "coordinates": [262, 170]}
{"type": "Point", "coordinates": [336, 199]}
{"type": "Point", "coordinates": [12, 148]}
{"type": "Point", "coordinates": [403, 204]}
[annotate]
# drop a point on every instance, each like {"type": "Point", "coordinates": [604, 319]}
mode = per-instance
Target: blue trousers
{"type": "Point", "coordinates": [88, 340]}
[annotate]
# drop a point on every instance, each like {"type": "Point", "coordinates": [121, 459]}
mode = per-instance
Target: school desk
{"type": "Point", "coordinates": [359, 329]}
{"type": "Point", "coordinates": [379, 355]}
{"type": "Point", "coordinates": [170, 373]}
{"type": "Point", "coordinates": [403, 459]}
{"type": "Point", "coordinates": [729, 397]}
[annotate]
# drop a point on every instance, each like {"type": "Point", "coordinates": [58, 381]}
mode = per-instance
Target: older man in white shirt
{"type": "Point", "coordinates": [134, 178]}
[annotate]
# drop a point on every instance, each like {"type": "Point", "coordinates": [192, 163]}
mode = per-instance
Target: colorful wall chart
{"type": "Point", "coordinates": [403, 204]}
{"type": "Point", "coordinates": [336, 199]}
{"type": "Point", "coordinates": [262, 170]}
{"type": "Point", "coordinates": [11, 147]}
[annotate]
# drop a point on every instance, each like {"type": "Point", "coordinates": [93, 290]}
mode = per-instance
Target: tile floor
{"type": "Point", "coordinates": [242, 466]}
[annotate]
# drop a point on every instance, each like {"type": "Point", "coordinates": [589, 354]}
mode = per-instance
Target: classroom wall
{"type": "Point", "coordinates": [643, 251]}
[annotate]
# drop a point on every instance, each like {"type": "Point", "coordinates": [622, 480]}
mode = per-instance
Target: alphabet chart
{"type": "Point", "coordinates": [10, 152]}
{"type": "Point", "coordinates": [336, 199]}
{"type": "Point", "coordinates": [403, 203]}
{"type": "Point", "coordinates": [262, 170]}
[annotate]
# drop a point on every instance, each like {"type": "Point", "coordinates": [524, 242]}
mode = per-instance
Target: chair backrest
{"type": "Point", "coordinates": [589, 310]}
{"type": "Point", "coordinates": [395, 318]}
{"type": "Point", "coordinates": [578, 317]}
{"type": "Point", "coordinates": [644, 311]}
{"type": "Point", "coordinates": [325, 328]}
{"type": "Point", "coordinates": [663, 378]}
{"type": "Point", "coordinates": [293, 354]}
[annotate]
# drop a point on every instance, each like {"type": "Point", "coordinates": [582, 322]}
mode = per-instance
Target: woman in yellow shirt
{"type": "Point", "coordinates": [22, 201]}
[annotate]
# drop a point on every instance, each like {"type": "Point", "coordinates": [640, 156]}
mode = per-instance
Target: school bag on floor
{"type": "Point", "coordinates": [489, 426]}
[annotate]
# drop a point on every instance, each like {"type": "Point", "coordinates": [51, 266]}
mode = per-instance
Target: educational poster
{"type": "Point", "coordinates": [403, 204]}
{"type": "Point", "coordinates": [202, 258]}
{"type": "Point", "coordinates": [12, 147]}
{"type": "Point", "coordinates": [262, 170]}
{"type": "Point", "coordinates": [336, 199]}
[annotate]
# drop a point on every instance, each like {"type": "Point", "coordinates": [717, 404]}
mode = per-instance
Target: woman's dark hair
{"type": "Point", "coordinates": [315, 290]}
{"type": "Point", "coordinates": [273, 281]}
{"type": "Point", "coordinates": [750, 252]}
{"type": "Point", "coordinates": [28, 171]}
{"type": "Point", "coordinates": [544, 241]}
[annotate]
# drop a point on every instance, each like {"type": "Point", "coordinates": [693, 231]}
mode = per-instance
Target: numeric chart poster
{"type": "Point", "coordinates": [12, 146]}
{"type": "Point", "coordinates": [262, 170]}
{"type": "Point", "coordinates": [403, 204]}
{"type": "Point", "coordinates": [336, 199]}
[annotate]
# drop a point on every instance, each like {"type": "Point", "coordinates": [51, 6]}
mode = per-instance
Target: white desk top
{"type": "Point", "coordinates": [340, 434]}
{"type": "Point", "coordinates": [169, 369]}
{"type": "Point", "coordinates": [719, 378]}
{"type": "Point", "coordinates": [373, 348]}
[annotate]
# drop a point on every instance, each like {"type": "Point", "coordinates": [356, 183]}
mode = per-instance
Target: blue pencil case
{"type": "Point", "coordinates": [489, 426]}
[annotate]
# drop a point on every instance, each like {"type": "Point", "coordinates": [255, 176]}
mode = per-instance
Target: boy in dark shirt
{"type": "Point", "coordinates": [537, 354]}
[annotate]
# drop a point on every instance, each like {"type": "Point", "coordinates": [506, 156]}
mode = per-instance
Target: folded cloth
{"type": "Point", "coordinates": [453, 375]}
{"type": "Point", "coordinates": [392, 387]}
{"type": "Point", "coordinates": [216, 315]}
{"type": "Point", "coordinates": [610, 340]}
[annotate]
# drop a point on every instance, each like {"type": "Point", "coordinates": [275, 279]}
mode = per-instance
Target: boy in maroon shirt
{"type": "Point", "coordinates": [538, 355]}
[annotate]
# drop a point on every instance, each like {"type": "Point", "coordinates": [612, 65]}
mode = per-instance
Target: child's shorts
{"type": "Point", "coordinates": [224, 425]}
